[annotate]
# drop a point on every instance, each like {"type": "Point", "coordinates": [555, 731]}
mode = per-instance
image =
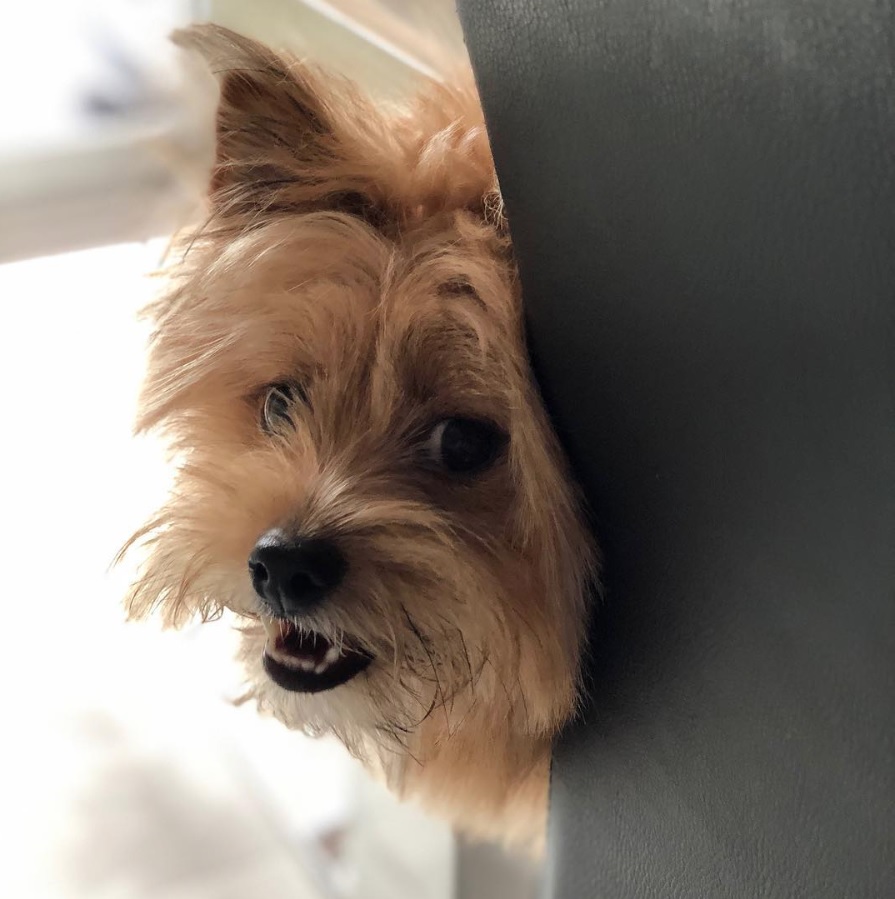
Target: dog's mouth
{"type": "Point", "coordinates": [305, 661]}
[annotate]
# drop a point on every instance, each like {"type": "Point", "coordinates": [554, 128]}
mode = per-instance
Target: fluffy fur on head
{"type": "Point", "coordinates": [361, 254]}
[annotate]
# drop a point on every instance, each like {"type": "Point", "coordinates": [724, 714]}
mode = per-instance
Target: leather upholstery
{"type": "Point", "coordinates": [702, 198]}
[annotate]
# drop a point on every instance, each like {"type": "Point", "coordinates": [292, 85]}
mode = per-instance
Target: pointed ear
{"type": "Point", "coordinates": [288, 140]}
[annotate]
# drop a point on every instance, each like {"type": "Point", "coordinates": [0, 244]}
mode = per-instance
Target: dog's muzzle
{"type": "Point", "coordinates": [292, 577]}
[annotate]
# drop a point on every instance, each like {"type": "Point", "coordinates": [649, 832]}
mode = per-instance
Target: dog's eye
{"type": "Point", "coordinates": [276, 410]}
{"type": "Point", "coordinates": [465, 445]}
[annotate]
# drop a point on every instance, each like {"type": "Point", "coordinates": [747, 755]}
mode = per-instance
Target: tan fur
{"type": "Point", "coordinates": [363, 251]}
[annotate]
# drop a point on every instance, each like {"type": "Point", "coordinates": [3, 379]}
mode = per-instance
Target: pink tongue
{"type": "Point", "coordinates": [305, 646]}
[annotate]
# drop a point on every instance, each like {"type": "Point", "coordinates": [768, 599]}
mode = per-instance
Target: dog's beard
{"type": "Point", "coordinates": [429, 653]}
{"type": "Point", "coordinates": [428, 610]}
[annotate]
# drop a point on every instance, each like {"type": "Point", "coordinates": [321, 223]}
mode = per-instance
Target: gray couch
{"type": "Point", "coordinates": [702, 197]}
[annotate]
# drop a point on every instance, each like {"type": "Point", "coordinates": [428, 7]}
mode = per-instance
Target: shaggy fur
{"type": "Point", "coordinates": [362, 252]}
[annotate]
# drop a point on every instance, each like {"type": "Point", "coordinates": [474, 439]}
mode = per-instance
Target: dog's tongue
{"type": "Point", "coordinates": [309, 651]}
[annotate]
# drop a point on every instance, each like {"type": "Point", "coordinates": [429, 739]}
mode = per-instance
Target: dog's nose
{"type": "Point", "coordinates": [291, 575]}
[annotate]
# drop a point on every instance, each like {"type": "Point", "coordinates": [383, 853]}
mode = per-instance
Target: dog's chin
{"type": "Point", "coordinates": [304, 661]}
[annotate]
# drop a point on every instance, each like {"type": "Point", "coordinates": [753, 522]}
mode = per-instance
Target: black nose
{"type": "Point", "coordinates": [292, 575]}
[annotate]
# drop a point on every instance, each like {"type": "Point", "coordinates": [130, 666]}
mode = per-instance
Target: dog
{"type": "Point", "coordinates": [366, 475]}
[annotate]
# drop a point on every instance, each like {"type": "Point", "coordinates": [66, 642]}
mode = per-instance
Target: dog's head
{"type": "Point", "coordinates": [365, 471]}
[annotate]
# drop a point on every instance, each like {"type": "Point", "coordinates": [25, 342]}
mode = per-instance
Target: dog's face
{"type": "Point", "coordinates": [365, 471]}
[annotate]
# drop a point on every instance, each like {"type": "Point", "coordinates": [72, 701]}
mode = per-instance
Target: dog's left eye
{"type": "Point", "coordinates": [465, 445]}
{"type": "Point", "coordinates": [276, 410]}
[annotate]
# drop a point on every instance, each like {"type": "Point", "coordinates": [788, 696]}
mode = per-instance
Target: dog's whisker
{"type": "Point", "coordinates": [438, 689]}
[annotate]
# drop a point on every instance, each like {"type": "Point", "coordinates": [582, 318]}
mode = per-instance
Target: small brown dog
{"type": "Point", "coordinates": [366, 472]}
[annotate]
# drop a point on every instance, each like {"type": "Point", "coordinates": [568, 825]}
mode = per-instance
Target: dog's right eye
{"type": "Point", "coordinates": [278, 405]}
{"type": "Point", "coordinates": [465, 445]}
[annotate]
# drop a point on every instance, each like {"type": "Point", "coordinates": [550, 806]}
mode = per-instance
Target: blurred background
{"type": "Point", "coordinates": [127, 769]}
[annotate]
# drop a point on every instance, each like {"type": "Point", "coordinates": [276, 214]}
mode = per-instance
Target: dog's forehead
{"type": "Point", "coordinates": [411, 325]}
{"type": "Point", "coordinates": [369, 294]}
{"type": "Point", "coordinates": [327, 300]}
{"type": "Point", "coordinates": [410, 322]}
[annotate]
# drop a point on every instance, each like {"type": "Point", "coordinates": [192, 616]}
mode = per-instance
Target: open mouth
{"type": "Point", "coordinates": [306, 662]}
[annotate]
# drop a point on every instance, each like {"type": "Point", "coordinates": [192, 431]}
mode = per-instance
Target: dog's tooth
{"type": "Point", "coordinates": [288, 661]}
{"type": "Point", "coordinates": [306, 664]}
{"type": "Point", "coordinates": [332, 655]}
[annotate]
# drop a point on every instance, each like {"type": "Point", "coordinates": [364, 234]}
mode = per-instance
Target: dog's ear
{"type": "Point", "coordinates": [288, 140]}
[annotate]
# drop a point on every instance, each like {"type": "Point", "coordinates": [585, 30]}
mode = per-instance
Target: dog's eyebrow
{"type": "Point", "coordinates": [460, 287]}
